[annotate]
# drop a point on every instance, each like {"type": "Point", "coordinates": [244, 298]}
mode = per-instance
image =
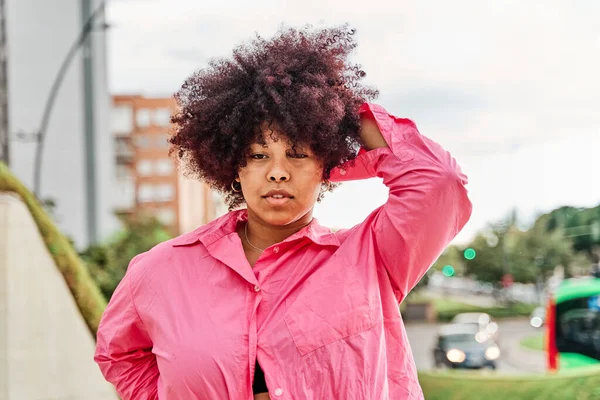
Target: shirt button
{"type": "Point", "coordinates": [275, 249]}
{"type": "Point", "coordinates": [278, 392]}
{"type": "Point", "coordinates": [257, 288]}
{"type": "Point", "coordinates": [342, 172]}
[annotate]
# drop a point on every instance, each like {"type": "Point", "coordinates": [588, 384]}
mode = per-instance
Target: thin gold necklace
{"type": "Point", "coordinates": [248, 240]}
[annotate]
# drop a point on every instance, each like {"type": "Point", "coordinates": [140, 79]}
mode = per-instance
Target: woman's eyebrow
{"type": "Point", "coordinates": [299, 148]}
{"type": "Point", "coordinates": [264, 146]}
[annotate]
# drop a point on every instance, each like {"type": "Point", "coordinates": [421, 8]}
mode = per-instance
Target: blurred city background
{"type": "Point", "coordinates": [511, 309]}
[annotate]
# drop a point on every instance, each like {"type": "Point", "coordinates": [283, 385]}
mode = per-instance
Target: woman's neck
{"type": "Point", "coordinates": [261, 234]}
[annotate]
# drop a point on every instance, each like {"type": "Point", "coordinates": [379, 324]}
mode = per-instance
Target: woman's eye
{"type": "Point", "coordinates": [258, 156]}
{"type": "Point", "coordinates": [298, 155]}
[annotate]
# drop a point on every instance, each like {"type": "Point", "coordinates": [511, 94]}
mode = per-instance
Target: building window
{"type": "Point", "coordinates": [164, 192]}
{"type": "Point", "coordinates": [122, 171]}
{"type": "Point", "coordinates": [144, 167]}
{"type": "Point", "coordinates": [146, 193]}
{"type": "Point", "coordinates": [123, 196]}
{"type": "Point", "coordinates": [164, 167]}
{"type": "Point", "coordinates": [121, 119]}
{"type": "Point", "coordinates": [162, 117]}
{"type": "Point", "coordinates": [166, 216]}
{"type": "Point", "coordinates": [142, 117]}
{"type": "Point", "coordinates": [163, 141]}
{"type": "Point", "coordinates": [141, 141]}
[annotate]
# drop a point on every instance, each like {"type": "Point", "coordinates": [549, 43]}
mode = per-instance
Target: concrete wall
{"type": "Point", "coordinates": [39, 35]}
{"type": "Point", "coordinates": [46, 349]}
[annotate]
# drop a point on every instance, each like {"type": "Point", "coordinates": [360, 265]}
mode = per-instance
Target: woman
{"type": "Point", "coordinates": [264, 301]}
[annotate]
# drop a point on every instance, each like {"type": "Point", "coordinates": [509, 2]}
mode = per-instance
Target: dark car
{"type": "Point", "coordinates": [464, 346]}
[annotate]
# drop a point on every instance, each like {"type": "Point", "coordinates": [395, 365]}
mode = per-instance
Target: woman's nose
{"type": "Point", "coordinates": [278, 173]}
{"type": "Point", "coordinates": [276, 178]}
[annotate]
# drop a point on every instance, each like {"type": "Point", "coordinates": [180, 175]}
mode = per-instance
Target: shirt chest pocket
{"type": "Point", "coordinates": [335, 303]}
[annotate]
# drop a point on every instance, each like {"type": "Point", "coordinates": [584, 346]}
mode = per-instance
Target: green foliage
{"type": "Point", "coordinates": [108, 262]}
{"type": "Point", "coordinates": [447, 309]}
{"type": "Point", "coordinates": [528, 255]}
{"type": "Point", "coordinates": [489, 265]}
{"type": "Point", "coordinates": [452, 255]}
{"type": "Point", "coordinates": [580, 224]}
{"type": "Point", "coordinates": [88, 298]}
{"type": "Point", "coordinates": [567, 236]}
{"type": "Point", "coordinates": [464, 385]}
{"type": "Point", "coordinates": [537, 252]}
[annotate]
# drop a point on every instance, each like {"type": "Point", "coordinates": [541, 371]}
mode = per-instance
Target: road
{"type": "Point", "coordinates": [514, 359]}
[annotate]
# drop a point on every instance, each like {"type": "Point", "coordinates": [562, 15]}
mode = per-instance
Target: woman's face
{"type": "Point", "coordinates": [280, 184]}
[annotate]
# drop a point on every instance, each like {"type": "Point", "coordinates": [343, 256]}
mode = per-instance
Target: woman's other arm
{"type": "Point", "coordinates": [124, 349]}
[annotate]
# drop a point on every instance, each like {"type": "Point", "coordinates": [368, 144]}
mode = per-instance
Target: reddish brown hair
{"type": "Point", "coordinates": [300, 79]}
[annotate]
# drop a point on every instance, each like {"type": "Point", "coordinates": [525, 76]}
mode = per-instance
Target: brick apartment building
{"type": "Point", "coordinates": [148, 181]}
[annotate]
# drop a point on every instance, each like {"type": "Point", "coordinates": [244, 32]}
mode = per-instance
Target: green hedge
{"type": "Point", "coordinates": [447, 309]}
{"type": "Point", "coordinates": [90, 301]}
{"type": "Point", "coordinates": [463, 385]}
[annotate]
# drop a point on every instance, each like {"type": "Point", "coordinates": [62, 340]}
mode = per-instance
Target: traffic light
{"type": "Point", "coordinates": [448, 270]}
{"type": "Point", "coordinates": [469, 253]}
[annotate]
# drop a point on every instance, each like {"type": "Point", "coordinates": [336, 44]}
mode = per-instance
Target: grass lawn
{"type": "Point", "coordinates": [534, 342]}
{"type": "Point", "coordinates": [90, 301]}
{"type": "Point", "coordinates": [461, 385]}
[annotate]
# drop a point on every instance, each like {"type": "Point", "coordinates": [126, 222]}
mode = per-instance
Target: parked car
{"type": "Point", "coordinates": [538, 317]}
{"type": "Point", "coordinates": [464, 346]}
{"type": "Point", "coordinates": [482, 321]}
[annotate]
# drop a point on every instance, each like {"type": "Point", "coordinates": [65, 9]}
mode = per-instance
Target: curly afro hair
{"type": "Point", "coordinates": [300, 80]}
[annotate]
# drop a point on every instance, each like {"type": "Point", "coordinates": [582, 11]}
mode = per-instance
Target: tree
{"type": "Point", "coordinates": [564, 237]}
{"type": "Point", "coordinates": [504, 248]}
{"type": "Point", "coordinates": [582, 225]}
{"type": "Point", "coordinates": [452, 256]}
{"type": "Point", "coordinates": [488, 265]}
{"type": "Point", "coordinates": [537, 252]}
{"type": "Point", "coordinates": [108, 262]}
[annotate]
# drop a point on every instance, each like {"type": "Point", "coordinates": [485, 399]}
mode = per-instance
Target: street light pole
{"type": "Point", "coordinates": [4, 149]}
{"type": "Point", "coordinates": [41, 134]}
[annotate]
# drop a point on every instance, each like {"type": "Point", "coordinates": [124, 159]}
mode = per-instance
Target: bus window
{"type": "Point", "coordinates": [578, 326]}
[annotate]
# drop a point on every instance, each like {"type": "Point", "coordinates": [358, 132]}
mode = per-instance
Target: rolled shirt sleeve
{"type": "Point", "coordinates": [427, 205]}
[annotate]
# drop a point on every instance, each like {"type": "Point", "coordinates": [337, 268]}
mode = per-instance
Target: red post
{"type": "Point", "coordinates": [551, 351]}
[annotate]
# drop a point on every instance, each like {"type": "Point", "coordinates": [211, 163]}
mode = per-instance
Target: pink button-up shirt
{"type": "Point", "coordinates": [319, 310]}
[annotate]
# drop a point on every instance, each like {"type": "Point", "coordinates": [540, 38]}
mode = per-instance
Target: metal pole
{"type": "Point", "coordinates": [89, 129]}
{"type": "Point", "coordinates": [4, 149]}
{"type": "Point", "coordinates": [41, 135]}
{"type": "Point", "coordinates": [4, 217]}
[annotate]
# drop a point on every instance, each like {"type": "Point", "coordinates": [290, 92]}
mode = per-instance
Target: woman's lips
{"type": "Point", "coordinates": [277, 200]}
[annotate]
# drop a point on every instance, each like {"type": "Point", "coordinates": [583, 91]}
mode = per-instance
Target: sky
{"type": "Point", "coordinates": [510, 88]}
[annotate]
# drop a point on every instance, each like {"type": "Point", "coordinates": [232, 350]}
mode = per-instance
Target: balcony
{"type": "Point", "coordinates": [124, 151]}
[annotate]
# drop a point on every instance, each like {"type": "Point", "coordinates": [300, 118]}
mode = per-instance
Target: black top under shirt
{"type": "Point", "coordinates": [259, 385]}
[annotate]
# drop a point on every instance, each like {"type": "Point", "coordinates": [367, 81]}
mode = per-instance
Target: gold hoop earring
{"type": "Point", "coordinates": [235, 188]}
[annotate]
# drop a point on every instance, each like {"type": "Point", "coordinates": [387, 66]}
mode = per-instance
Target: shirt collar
{"type": "Point", "coordinates": [225, 225]}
